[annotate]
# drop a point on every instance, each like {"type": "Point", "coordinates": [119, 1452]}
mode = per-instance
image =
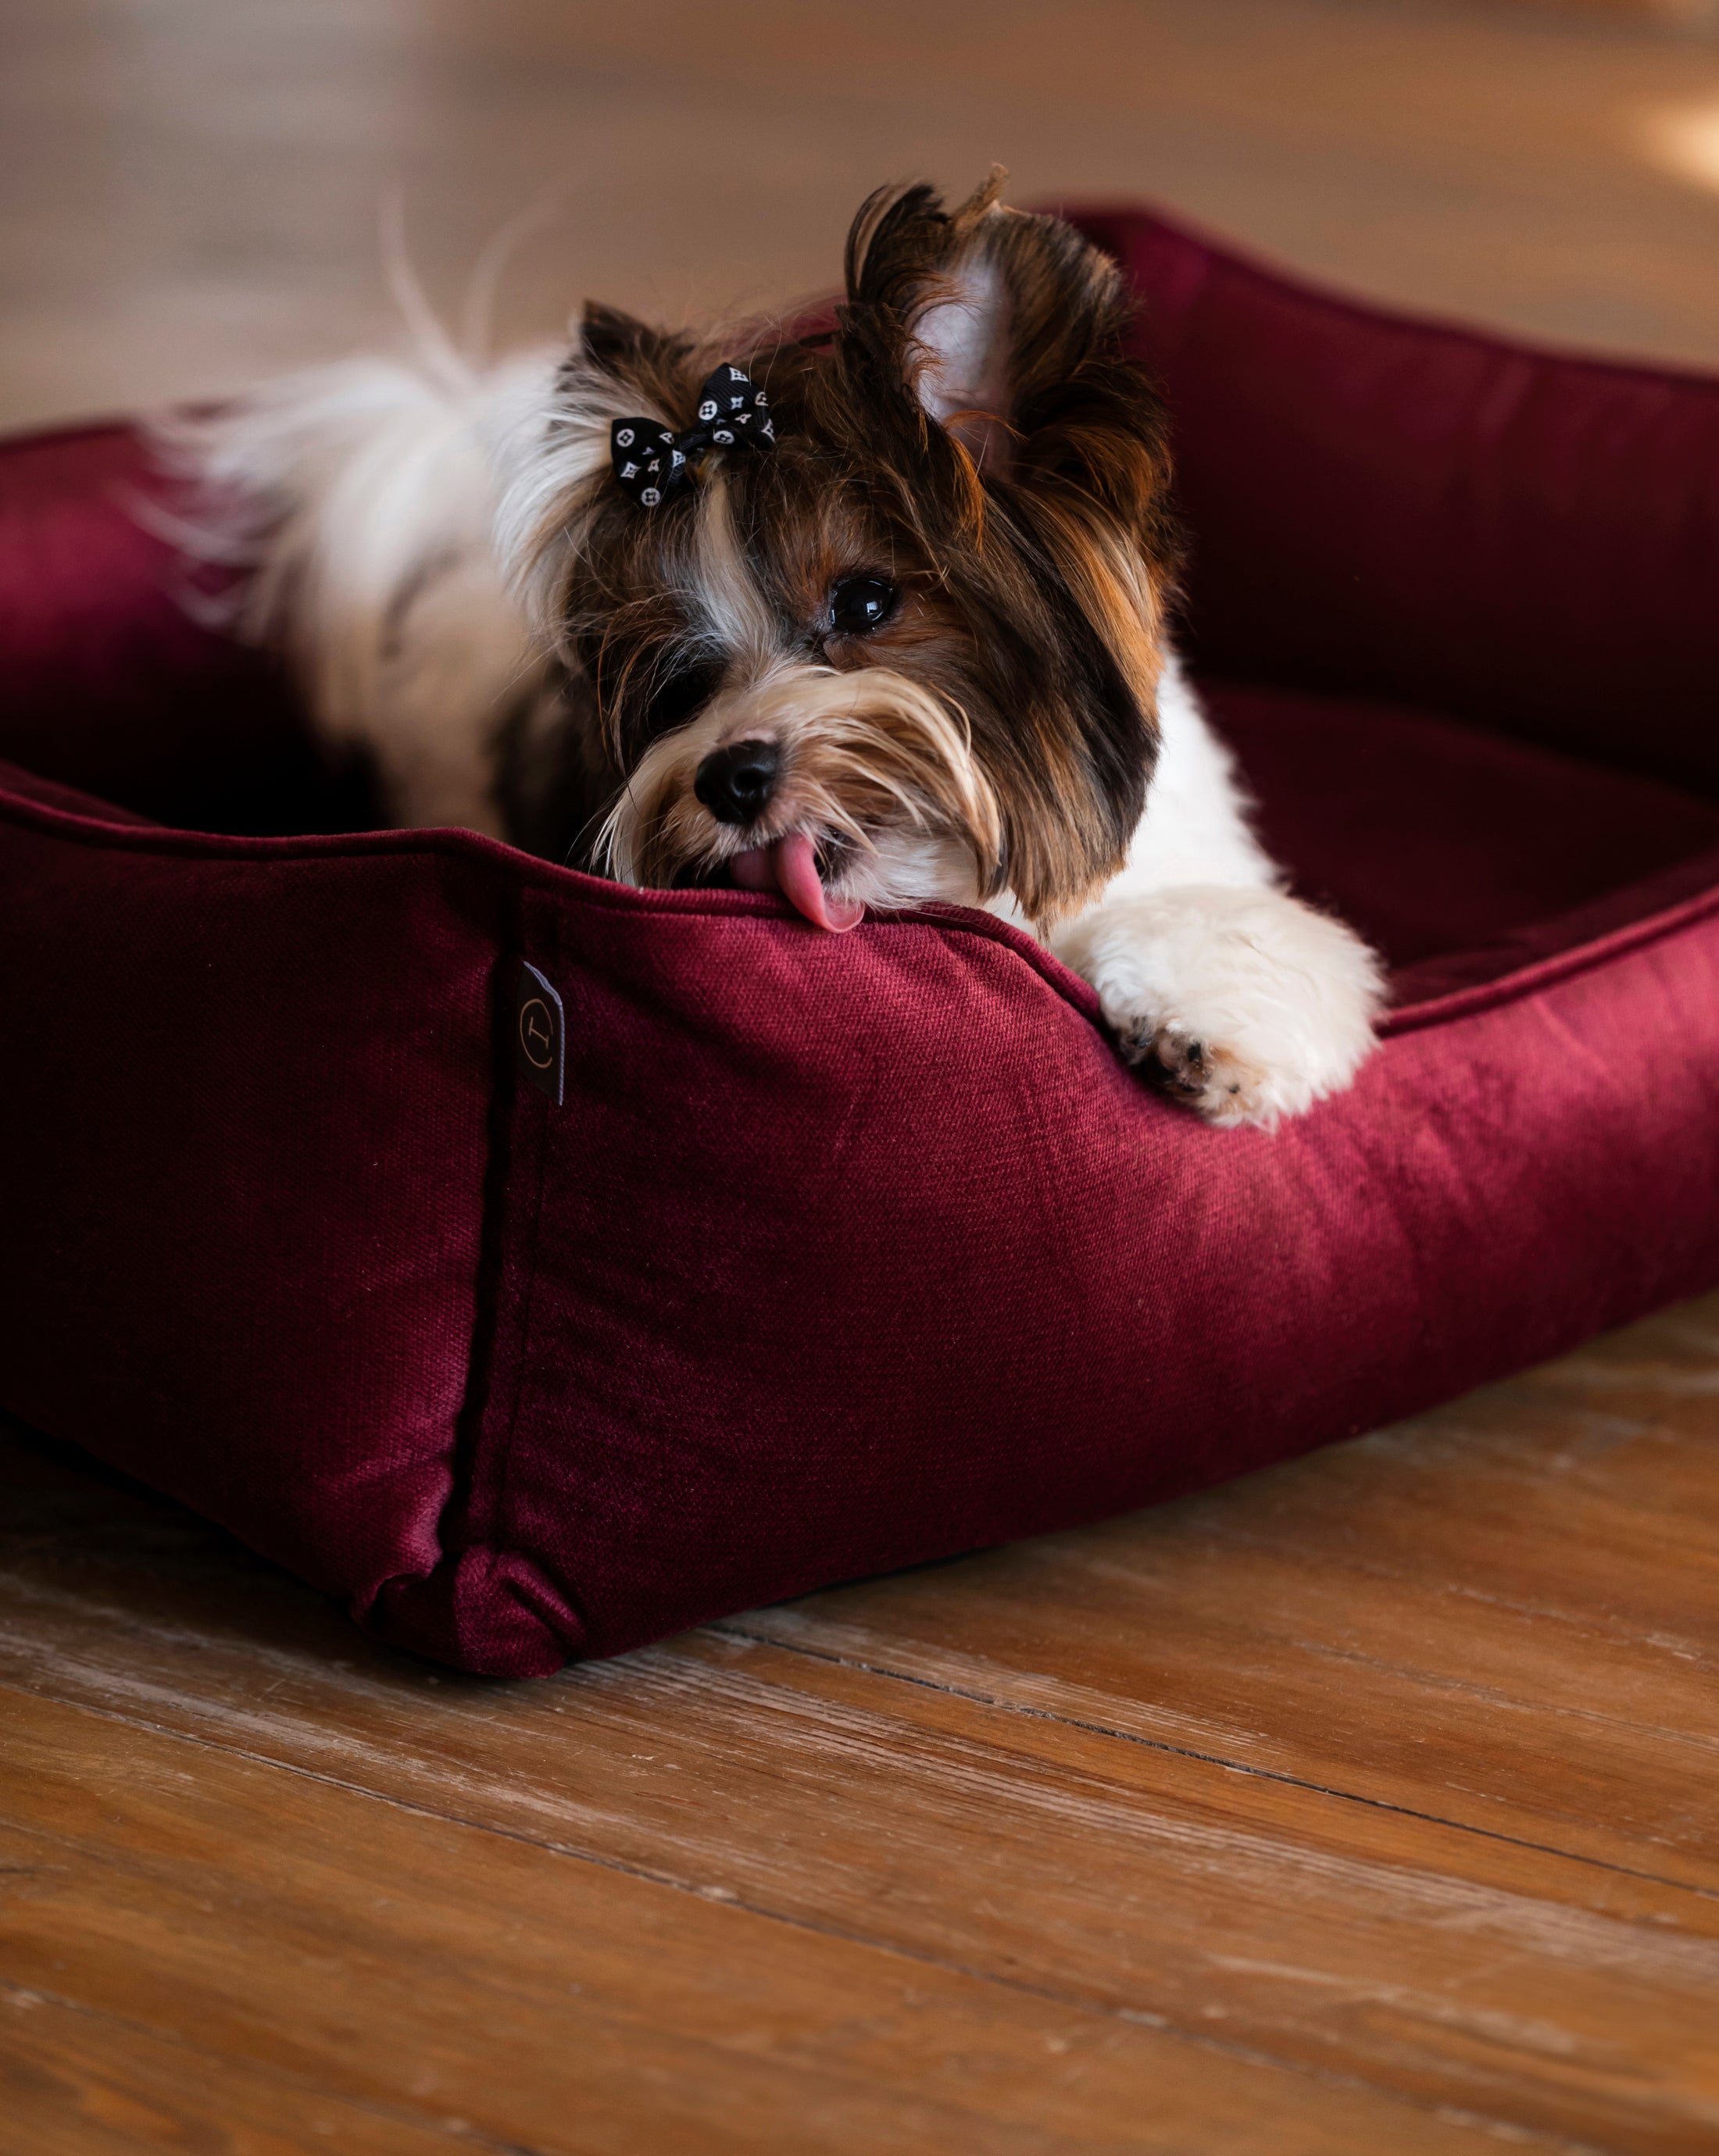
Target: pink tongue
{"type": "Point", "coordinates": [790, 866]}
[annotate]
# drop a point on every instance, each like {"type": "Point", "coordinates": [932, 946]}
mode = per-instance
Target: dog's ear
{"type": "Point", "coordinates": [616, 341]}
{"type": "Point", "coordinates": [925, 283]}
{"type": "Point", "coordinates": [986, 314]}
{"type": "Point", "coordinates": [652, 361]}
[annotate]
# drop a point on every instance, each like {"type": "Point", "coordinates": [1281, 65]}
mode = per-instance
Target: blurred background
{"type": "Point", "coordinates": [190, 189]}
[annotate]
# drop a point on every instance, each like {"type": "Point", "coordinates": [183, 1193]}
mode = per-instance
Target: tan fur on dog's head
{"type": "Point", "coordinates": [969, 440]}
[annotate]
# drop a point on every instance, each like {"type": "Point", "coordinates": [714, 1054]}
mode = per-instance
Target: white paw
{"type": "Point", "coordinates": [1244, 1004]}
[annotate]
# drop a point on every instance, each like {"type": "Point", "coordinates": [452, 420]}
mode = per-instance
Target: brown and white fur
{"type": "Point", "coordinates": [914, 652]}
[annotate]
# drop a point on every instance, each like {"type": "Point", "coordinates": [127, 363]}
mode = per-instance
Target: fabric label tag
{"type": "Point", "coordinates": [539, 1033]}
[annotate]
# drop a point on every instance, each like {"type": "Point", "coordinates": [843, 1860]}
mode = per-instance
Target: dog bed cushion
{"type": "Point", "coordinates": [840, 1254]}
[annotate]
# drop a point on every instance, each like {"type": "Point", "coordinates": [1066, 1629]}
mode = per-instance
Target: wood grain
{"type": "Point", "coordinates": [416, 1963]}
{"type": "Point", "coordinates": [75, 2083]}
{"type": "Point", "coordinates": [188, 194]}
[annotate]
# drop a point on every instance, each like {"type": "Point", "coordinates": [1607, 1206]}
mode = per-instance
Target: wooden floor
{"type": "Point", "coordinates": [1371, 1804]}
{"type": "Point", "coordinates": [189, 188]}
{"type": "Point", "coordinates": [1369, 1808]}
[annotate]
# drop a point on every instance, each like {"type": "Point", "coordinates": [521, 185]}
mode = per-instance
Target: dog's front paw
{"type": "Point", "coordinates": [1204, 1075]}
{"type": "Point", "coordinates": [1245, 1005]}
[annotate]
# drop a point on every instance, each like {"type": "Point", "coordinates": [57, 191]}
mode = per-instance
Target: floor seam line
{"type": "Point", "coordinates": [1209, 1758]}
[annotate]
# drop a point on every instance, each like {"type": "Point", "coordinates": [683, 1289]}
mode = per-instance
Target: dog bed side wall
{"type": "Point", "coordinates": [117, 676]}
{"type": "Point", "coordinates": [1387, 507]}
{"type": "Point", "coordinates": [843, 1258]}
{"type": "Point", "coordinates": [247, 1093]}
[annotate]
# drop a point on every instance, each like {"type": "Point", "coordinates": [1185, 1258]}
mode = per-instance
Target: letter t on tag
{"type": "Point", "coordinates": [539, 1033]}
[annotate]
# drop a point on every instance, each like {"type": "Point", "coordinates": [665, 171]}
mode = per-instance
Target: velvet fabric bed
{"type": "Point", "coordinates": [839, 1254]}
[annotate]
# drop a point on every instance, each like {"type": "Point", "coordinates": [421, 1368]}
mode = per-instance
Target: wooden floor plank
{"type": "Point", "coordinates": [426, 1967]}
{"type": "Point", "coordinates": [74, 2083]}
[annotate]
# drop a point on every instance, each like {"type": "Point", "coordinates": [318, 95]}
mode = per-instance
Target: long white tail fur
{"type": "Point", "coordinates": [364, 496]}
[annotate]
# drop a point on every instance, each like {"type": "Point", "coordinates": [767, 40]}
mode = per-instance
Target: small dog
{"type": "Point", "coordinates": [870, 616]}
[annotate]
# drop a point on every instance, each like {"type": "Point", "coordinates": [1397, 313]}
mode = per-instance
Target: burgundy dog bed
{"type": "Point", "coordinates": [836, 1254]}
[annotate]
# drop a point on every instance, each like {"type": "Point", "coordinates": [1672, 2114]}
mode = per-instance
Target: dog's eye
{"type": "Point", "coordinates": [860, 604]}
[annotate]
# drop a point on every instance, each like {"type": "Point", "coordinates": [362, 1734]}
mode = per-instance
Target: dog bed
{"type": "Point", "coordinates": [543, 1266]}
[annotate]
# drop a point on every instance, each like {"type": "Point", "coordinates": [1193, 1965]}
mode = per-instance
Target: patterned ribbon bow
{"type": "Point", "coordinates": [652, 462]}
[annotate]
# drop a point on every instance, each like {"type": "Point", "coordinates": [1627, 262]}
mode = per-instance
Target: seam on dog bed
{"type": "Point", "coordinates": [496, 1457]}
{"type": "Point", "coordinates": [529, 872]}
{"type": "Point", "coordinates": [1547, 972]}
{"type": "Point", "coordinates": [571, 884]}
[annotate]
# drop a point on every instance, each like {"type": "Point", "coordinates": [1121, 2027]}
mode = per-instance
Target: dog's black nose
{"type": "Point", "coordinates": [736, 783]}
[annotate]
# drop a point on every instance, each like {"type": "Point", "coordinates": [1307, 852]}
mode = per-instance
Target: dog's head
{"type": "Point", "coordinates": [910, 650]}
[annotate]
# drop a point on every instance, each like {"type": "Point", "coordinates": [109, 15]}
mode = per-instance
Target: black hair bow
{"type": "Point", "coordinates": [652, 462]}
